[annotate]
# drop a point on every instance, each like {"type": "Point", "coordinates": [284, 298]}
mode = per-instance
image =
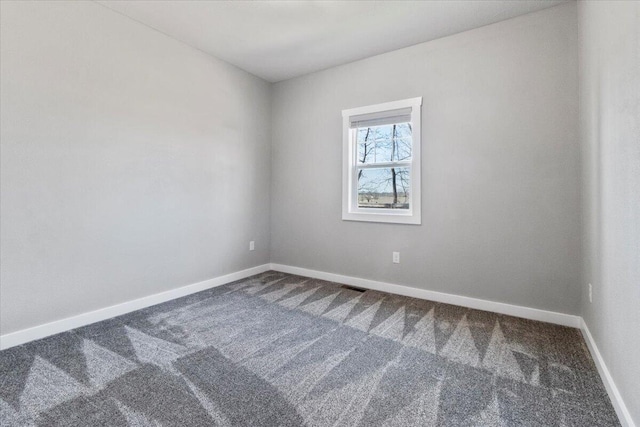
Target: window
{"type": "Point", "coordinates": [381, 162]}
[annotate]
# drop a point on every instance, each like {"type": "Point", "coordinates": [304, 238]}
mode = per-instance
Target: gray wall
{"type": "Point", "coordinates": [131, 163]}
{"type": "Point", "coordinates": [610, 114]}
{"type": "Point", "coordinates": [500, 165]}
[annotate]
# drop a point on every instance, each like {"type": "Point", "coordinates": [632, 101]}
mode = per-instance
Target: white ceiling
{"type": "Point", "coordinates": [278, 40]}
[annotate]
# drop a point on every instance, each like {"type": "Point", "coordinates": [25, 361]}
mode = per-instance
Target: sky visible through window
{"type": "Point", "coordinates": [386, 186]}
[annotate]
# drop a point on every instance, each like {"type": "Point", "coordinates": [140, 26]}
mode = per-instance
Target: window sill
{"type": "Point", "coordinates": [395, 218]}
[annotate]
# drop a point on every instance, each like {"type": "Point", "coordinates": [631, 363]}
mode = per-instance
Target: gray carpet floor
{"type": "Point", "coordinates": [283, 350]}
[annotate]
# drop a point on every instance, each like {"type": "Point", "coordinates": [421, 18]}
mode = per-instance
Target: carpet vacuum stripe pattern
{"type": "Point", "coordinates": [283, 350]}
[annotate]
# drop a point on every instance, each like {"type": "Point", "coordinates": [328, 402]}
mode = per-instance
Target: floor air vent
{"type": "Point", "coordinates": [353, 288]}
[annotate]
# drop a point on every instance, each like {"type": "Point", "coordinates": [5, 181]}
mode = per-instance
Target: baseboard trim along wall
{"type": "Point", "coordinates": [479, 304]}
{"type": "Point", "coordinates": [614, 394]}
{"type": "Point", "coordinates": [52, 328]}
{"type": "Point", "coordinates": [58, 326]}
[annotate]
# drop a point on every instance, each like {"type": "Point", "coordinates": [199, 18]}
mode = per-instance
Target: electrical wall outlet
{"type": "Point", "coordinates": [252, 245]}
{"type": "Point", "coordinates": [590, 293]}
{"type": "Point", "coordinates": [396, 257]}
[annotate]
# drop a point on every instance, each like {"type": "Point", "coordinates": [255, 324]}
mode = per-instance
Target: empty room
{"type": "Point", "coordinates": [320, 213]}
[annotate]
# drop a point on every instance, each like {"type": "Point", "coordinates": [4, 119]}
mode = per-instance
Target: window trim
{"type": "Point", "coordinates": [350, 209]}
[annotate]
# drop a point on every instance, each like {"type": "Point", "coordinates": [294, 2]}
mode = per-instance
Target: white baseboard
{"type": "Point", "coordinates": [479, 304]}
{"type": "Point", "coordinates": [612, 390]}
{"type": "Point", "coordinates": [42, 331]}
{"type": "Point", "coordinates": [52, 328]}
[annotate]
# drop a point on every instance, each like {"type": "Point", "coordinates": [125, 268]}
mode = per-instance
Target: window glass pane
{"type": "Point", "coordinates": [383, 188]}
{"type": "Point", "coordinates": [384, 143]}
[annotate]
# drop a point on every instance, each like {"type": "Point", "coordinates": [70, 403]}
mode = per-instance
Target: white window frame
{"type": "Point", "coordinates": [350, 209]}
